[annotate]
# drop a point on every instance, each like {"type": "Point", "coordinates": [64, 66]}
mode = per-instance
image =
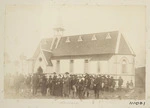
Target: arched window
{"type": "Point", "coordinates": [86, 66]}
{"type": "Point", "coordinates": [124, 66]}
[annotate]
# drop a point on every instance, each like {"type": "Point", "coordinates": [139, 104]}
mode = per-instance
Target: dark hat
{"type": "Point", "coordinates": [54, 73]}
{"type": "Point", "coordinates": [67, 73]}
{"type": "Point", "coordinates": [87, 74]}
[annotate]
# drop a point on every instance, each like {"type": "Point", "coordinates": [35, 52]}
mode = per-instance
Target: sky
{"type": "Point", "coordinates": [26, 25]}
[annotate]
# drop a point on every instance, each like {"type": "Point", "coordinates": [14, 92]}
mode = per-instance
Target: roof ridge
{"type": "Point", "coordinates": [58, 40]}
{"type": "Point", "coordinates": [53, 41]}
{"type": "Point", "coordinates": [43, 56]}
{"type": "Point", "coordinates": [91, 33]}
{"type": "Point", "coordinates": [118, 43]}
{"type": "Point", "coordinates": [46, 50]}
{"type": "Point", "coordinates": [83, 34]}
{"type": "Point", "coordinates": [47, 58]}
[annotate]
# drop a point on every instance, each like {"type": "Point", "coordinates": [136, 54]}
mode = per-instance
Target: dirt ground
{"type": "Point", "coordinates": [137, 94]}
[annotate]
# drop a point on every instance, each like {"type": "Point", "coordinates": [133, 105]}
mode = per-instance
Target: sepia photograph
{"type": "Point", "coordinates": [75, 52]}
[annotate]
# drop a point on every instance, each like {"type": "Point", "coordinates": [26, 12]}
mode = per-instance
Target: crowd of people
{"type": "Point", "coordinates": [65, 85]}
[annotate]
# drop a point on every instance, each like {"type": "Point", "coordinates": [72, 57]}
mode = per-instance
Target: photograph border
{"type": "Point", "coordinates": [37, 103]}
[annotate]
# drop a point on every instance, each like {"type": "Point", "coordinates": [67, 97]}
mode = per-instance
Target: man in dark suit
{"type": "Point", "coordinates": [54, 80]}
{"type": "Point", "coordinates": [87, 85]}
{"type": "Point", "coordinates": [97, 86]}
{"type": "Point", "coordinates": [50, 84]}
{"type": "Point", "coordinates": [109, 83]}
{"type": "Point", "coordinates": [73, 85]}
{"type": "Point", "coordinates": [120, 83]}
{"type": "Point", "coordinates": [35, 83]}
{"type": "Point", "coordinates": [59, 86]}
{"type": "Point", "coordinates": [44, 85]}
{"type": "Point", "coordinates": [113, 83]}
{"type": "Point", "coordinates": [81, 86]}
{"type": "Point", "coordinates": [66, 84]}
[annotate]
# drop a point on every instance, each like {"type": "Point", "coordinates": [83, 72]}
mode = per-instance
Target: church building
{"type": "Point", "coordinates": [105, 53]}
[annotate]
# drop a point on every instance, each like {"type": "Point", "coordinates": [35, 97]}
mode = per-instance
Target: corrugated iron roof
{"type": "Point", "coordinates": [99, 46]}
{"type": "Point", "coordinates": [87, 46]}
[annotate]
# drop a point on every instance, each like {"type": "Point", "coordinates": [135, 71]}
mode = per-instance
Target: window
{"type": "Point", "coordinates": [108, 36]}
{"type": "Point", "coordinates": [94, 37]}
{"type": "Point", "coordinates": [86, 66]}
{"type": "Point", "coordinates": [124, 66]}
{"type": "Point", "coordinates": [86, 61]}
{"type": "Point", "coordinates": [71, 66]}
{"type": "Point", "coordinates": [58, 62]}
{"type": "Point", "coordinates": [80, 39]}
{"type": "Point", "coordinates": [98, 66]}
{"type": "Point", "coordinates": [57, 66]}
{"type": "Point", "coordinates": [71, 61]}
{"type": "Point", "coordinates": [40, 59]}
{"type": "Point", "coordinates": [67, 40]}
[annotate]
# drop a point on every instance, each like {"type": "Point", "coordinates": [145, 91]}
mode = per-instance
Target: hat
{"type": "Point", "coordinates": [86, 74]}
{"type": "Point", "coordinates": [59, 74]}
{"type": "Point", "coordinates": [67, 73]}
{"type": "Point", "coordinates": [54, 73]}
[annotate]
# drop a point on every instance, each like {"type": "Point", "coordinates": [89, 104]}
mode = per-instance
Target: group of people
{"type": "Point", "coordinates": [69, 86]}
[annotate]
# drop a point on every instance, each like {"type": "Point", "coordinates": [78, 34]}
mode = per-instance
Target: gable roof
{"type": "Point", "coordinates": [47, 56]}
{"type": "Point", "coordinates": [87, 46]}
{"type": "Point", "coordinates": [123, 47]}
{"type": "Point", "coordinates": [44, 44]}
{"type": "Point", "coordinates": [59, 46]}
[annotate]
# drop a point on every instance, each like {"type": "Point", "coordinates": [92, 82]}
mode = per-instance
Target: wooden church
{"type": "Point", "coordinates": [106, 53]}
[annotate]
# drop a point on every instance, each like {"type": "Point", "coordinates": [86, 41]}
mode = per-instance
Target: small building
{"type": "Point", "coordinates": [106, 53]}
{"type": "Point", "coordinates": [140, 77]}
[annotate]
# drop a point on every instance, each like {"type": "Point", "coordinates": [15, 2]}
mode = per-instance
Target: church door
{"type": "Point", "coordinates": [40, 70]}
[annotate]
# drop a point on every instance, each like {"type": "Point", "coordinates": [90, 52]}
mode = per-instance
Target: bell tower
{"type": "Point", "coordinates": [59, 29]}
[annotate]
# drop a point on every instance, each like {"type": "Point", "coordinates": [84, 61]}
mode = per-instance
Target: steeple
{"type": "Point", "coordinates": [58, 29]}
